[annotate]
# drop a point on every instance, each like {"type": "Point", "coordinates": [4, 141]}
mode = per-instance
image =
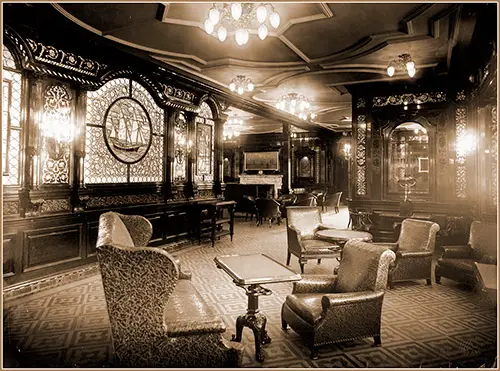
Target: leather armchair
{"type": "Point", "coordinates": [302, 223]}
{"type": "Point", "coordinates": [268, 208]}
{"type": "Point", "coordinates": [328, 309]}
{"type": "Point", "coordinates": [414, 249]}
{"type": "Point", "coordinates": [457, 262]}
{"type": "Point", "coordinates": [158, 319]}
{"type": "Point", "coordinates": [336, 201]}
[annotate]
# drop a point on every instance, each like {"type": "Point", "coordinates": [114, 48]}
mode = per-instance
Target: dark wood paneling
{"type": "Point", "coordinates": [9, 260]}
{"type": "Point", "coordinates": [92, 233]}
{"type": "Point", "coordinates": [177, 225]}
{"type": "Point", "coordinates": [157, 220]}
{"type": "Point", "coordinates": [51, 246]}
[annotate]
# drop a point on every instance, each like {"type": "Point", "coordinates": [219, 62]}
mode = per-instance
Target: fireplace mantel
{"type": "Point", "coordinates": [276, 180]}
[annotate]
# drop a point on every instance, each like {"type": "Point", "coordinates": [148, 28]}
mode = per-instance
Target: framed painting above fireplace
{"type": "Point", "coordinates": [261, 161]}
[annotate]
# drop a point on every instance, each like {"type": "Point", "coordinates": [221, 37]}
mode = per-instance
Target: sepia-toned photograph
{"type": "Point", "coordinates": [225, 185]}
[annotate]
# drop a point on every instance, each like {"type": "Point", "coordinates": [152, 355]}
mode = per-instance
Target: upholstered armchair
{"type": "Point", "coordinates": [326, 309]}
{"type": "Point", "coordinates": [268, 208]}
{"type": "Point", "coordinates": [414, 249]}
{"type": "Point", "coordinates": [302, 223]}
{"type": "Point", "coordinates": [336, 201]}
{"type": "Point", "coordinates": [457, 262]}
{"type": "Point", "coordinates": [157, 318]}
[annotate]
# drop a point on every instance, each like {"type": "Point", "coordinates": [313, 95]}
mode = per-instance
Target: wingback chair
{"type": "Point", "coordinates": [414, 249]}
{"type": "Point", "coordinates": [326, 309]}
{"type": "Point", "coordinates": [157, 317]}
{"type": "Point", "coordinates": [457, 262]}
{"type": "Point", "coordinates": [302, 223]}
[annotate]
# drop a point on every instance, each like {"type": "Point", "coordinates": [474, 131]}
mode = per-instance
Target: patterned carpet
{"type": "Point", "coordinates": [444, 325]}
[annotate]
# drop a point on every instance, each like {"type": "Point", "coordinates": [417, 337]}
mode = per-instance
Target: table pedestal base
{"type": "Point", "coordinates": [254, 320]}
{"type": "Point", "coordinates": [257, 323]}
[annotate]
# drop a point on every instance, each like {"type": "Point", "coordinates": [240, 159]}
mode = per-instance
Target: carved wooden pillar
{"type": "Point", "coordinates": [191, 140]}
{"type": "Point", "coordinates": [169, 150]}
{"type": "Point", "coordinates": [219, 154]}
{"type": "Point", "coordinates": [31, 179]}
{"type": "Point", "coordinates": [287, 167]}
{"type": "Point", "coordinates": [79, 148]}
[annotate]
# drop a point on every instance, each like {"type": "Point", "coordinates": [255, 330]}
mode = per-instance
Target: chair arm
{"type": "Point", "coordinates": [293, 238]}
{"type": "Point", "coordinates": [183, 275]}
{"type": "Point", "coordinates": [390, 245]}
{"type": "Point", "coordinates": [184, 327]}
{"type": "Point", "coordinates": [456, 252]}
{"type": "Point", "coordinates": [317, 283]}
{"type": "Point", "coordinates": [413, 254]}
{"type": "Point", "coordinates": [335, 300]}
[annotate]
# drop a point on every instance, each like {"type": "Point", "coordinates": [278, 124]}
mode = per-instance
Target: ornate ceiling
{"type": "Point", "coordinates": [319, 49]}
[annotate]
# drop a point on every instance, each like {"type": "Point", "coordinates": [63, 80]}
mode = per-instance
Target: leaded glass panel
{"type": "Point", "coordinates": [11, 121]}
{"type": "Point", "coordinates": [55, 153]}
{"type": "Point", "coordinates": [205, 111]}
{"type": "Point", "coordinates": [150, 168]}
{"type": "Point", "coordinates": [180, 147]}
{"type": "Point", "coordinates": [100, 165]}
{"type": "Point", "coordinates": [7, 58]}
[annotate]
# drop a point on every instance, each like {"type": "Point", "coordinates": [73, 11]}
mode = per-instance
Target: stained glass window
{"type": "Point", "coordinates": [180, 148]}
{"type": "Point", "coordinates": [103, 166]}
{"type": "Point", "coordinates": [204, 144]}
{"type": "Point", "coordinates": [11, 121]}
{"type": "Point", "coordinates": [56, 154]}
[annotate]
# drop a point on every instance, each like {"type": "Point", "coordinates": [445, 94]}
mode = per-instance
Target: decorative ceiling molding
{"type": "Point", "coordinates": [326, 10]}
{"type": "Point", "coordinates": [295, 49]}
{"type": "Point", "coordinates": [407, 21]}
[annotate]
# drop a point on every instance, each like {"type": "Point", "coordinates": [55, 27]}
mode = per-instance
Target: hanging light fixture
{"type": "Point", "coordinates": [240, 18]}
{"type": "Point", "coordinates": [240, 84]}
{"type": "Point", "coordinates": [297, 105]}
{"type": "Point", "coordinates": [232, 128]}
{"type": "Point", "coordinates": [402, 63]}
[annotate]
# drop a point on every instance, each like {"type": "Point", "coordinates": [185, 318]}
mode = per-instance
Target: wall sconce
{"type": "Point", "coordinates": [347, 150]}
{"type": "Point", "coordinates": [465, 144]}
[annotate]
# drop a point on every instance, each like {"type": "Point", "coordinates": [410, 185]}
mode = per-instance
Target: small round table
{"type": "Point", "coordinates": [341, 236]}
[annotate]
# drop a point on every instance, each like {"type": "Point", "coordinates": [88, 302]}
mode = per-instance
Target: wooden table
{"type": "Point", "coordinates": [487, 279]}
{"type": "Point", "coordinates": [341, 236]}
{"type": "Point", "coordinates": [250, 272]}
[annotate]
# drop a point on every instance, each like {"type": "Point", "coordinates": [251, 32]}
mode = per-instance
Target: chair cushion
{"type": "Point", "coordinates": [120, 233]}
{"type": "Point", "coordinates": [319, 246]}
{"type": "Point", "coordinates": [464, 265]}
{"type": "Point", "coordinates": [307, 306]}
{"type": "Point", "coordinates": [187, 313]}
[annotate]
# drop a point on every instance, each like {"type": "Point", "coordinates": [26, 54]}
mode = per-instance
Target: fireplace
{"type": "Point", "coordinates": [275, 180]}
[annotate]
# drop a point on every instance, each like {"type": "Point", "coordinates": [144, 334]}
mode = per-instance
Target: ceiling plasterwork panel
{"type": "Point", "coordinates": [318, 49]}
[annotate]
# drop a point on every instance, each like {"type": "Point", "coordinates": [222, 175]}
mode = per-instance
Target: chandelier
{"type": "Point", "coordinates": [297, 105]}
{"type": "Point", "coordinates": [240, 83]}
{"type": "Point", "coordinates": [241, 17]}
{"type": "Point", "coordinates": [402, 63]}
{"type": "Point", "coordinates": [232, 127]}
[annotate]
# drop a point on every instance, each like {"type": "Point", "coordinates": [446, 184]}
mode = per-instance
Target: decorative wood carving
{"type": "Point", "coordinates": [360, 160]}
{"type": "Point", "coordinates": [405, 99]}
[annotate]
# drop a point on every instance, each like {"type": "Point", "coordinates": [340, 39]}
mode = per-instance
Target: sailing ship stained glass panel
{"type": "Point", "coordinates": [127, 130]}
{"type": "Point", "coordinates": [126, 100]}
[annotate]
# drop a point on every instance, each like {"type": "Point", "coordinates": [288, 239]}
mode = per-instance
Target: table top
{"type": "Point", "coordinates": [487, 275]}
{"type": "Point", "coordinates": [255, 269]}
{"type": "Point", "coordinates": [343, 235]}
